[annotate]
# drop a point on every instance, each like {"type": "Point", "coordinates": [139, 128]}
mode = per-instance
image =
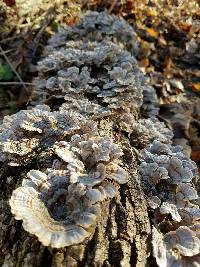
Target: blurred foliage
{"type": "Point", "coordinates": [12, 107]}
{"type": "Point", "coordinates": [54, 26]}
{"type": "Point", "coordinates": [6, 73]}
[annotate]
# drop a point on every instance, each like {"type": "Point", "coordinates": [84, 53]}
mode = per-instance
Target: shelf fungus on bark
{"type": "Point", "coordinates": [85, 107]}
{"type": "Point", "coordinates": [88, 67]}
{"type": "Point", "coordinates": [26, 132]}
{"type": "Point", "coordinates": [99, 26]}
{"type": "Point", "coordinates": [92, 160]}
{"type": "Point", "coordinates": [61, 205]}
{"type": "Point", "coordinates": [145, 131]}
{"type": "Point", "coordinates": [167, 175]}
{"type": "Point", "coordinates": [100, 72]}
{"type": "Point", "coordinates": [59, 213]}
{"type": "Point", "coordinates": [150, 106]}
{"type": "Point", "coordinates": [176, 248]}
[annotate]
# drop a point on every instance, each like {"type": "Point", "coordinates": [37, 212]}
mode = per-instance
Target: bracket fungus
{"type": "Point", "coordinates": [85, 107]}
{"type": "Point", "coordinates": [145, 131]}
{"type": "Point", "coordinates": [58, 213]}
{"type": "Point", "coordinates": [92, 78]}
{"type": "Point", "coordinates": [88, 73]}
{"type": "Point", "coordinates": [176, 248]}
{"type": "Point", "coordinates": [150, 102]}
{"type": "Point", "coordinates": [99, 71]}
{"type": "Point", "coordinates": [99, 26]}
{"type": "Point", "coordinates": [167, 175]}
{"type": "Point", "coordinates": [28, 131]}
{"type": "Point", "coordinates": [61, 206]}
{"type": "Point", "coordinates": [90, 62]}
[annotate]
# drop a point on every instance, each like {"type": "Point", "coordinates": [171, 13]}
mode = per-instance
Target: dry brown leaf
{"type": "Point", "coordinates": [152, 32]}
{"type": "Point", "coordinates": [195, 156]}
{"type": "Point", "coordinates": [144, 62]}
{"type": "Point", "coordinates": [196, 87]}
{"type": "Point", "coordinates": [151, 13]}
{"type": "Point", "coordinates": [9, 2]}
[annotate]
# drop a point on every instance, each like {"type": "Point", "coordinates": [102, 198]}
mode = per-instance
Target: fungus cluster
{"type": "Point", "coordinates": [145, 131]}
{"type": "Point", "coordinates": [60, 205]}
{"type": "Point", "coordinates": [25, 133]}
{"type": "Point", "coordinates": [94, 62]}
{"type": "Point", "coordinates": [85, 107]}
{"type": "Point", "coordinates": [92, 78]}
{"type": "Point", "coordinates": [87, 73]}
{"type": "Point", "coordinates": [168, 175]}
{"type": "Point", "coordinates": [184, 119]}
{"type": "Point", "coordinates": [99, 26]}
{"type": "Point", "coordinates": [100, 72]}
{"type": "Point", "coordinates": [150, 102]}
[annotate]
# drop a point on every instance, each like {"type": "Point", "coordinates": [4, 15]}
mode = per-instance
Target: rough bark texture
{"type": "Point", "coordinates": [121, 237]}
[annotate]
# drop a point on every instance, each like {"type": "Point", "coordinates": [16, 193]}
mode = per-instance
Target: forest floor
{"type": "Point", "coordinates": [168, 33]}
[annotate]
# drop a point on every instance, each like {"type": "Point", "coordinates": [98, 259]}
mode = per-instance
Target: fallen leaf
{"type": "Point", "coordinates": [152, 32]}
{"type": "Point", "coordinates": [196, 87]}
{"type": "Point", "coordinates": [150, 69]}
{"type": "Point", "coordinates": [144, 62]}
{"type": "Point", "coordinates": [161, 40]}
{"type": "Point", "coordinates": [177, 84]}
{"type": "Point", "coordinates": [151, 13]}
{"type": "Point", "coordinates": [195, 156]}
{"type": "Point", "coordinates": [9, 2]}
{"type": "Point", "coordinates": [70, 21]}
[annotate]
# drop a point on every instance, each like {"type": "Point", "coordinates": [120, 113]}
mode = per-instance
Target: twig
{"type": "Point", "coordinates": [38, 36]}
{"type": "Point", "coordinates": [112, 6]}
{"type": "Point", "coordinates": [7, 51]}
{"type": "Point", "coordinates": [15, 83]}
{"type": "Point", "coordinates": [9, 38]}
{"type": "Point", "coordinates": [13, 69]}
